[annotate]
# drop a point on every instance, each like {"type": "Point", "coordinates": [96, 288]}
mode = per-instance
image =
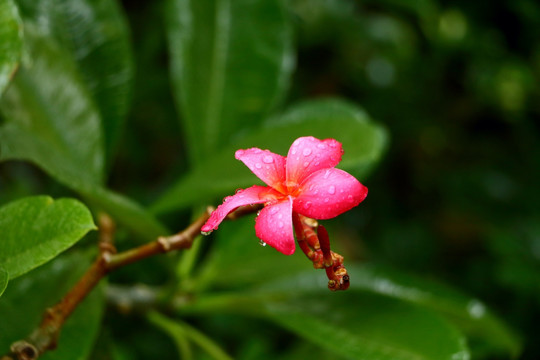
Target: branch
{"type": "Point", "coordinates": [45, 337]}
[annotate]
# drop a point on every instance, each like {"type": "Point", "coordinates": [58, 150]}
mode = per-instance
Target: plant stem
{"type": "Point", "coordinates": [46, 335]}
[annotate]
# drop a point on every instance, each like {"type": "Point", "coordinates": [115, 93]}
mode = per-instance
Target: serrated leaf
{"type": "Point", "coordinates": [231, 62]}
{"type": "Point", "coordinates": [4, 277]}
{"type": "Point", "coordinates": [36, 229]}
{"type": "Point", "coordinates": [10, 41]}
{"type": "Point", "coordinates": [363, 142]}
{"type": "Point", "coordinates": [95, 35]}
{"type": "Point", "coordinates": [24, 302]}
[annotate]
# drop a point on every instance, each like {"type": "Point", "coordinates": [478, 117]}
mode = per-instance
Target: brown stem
{"type": "Point", "coordinates": [45, 336]}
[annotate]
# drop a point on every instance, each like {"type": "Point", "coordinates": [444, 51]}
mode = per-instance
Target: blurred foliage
{"type": "Point", "coordinates": [453, 87]}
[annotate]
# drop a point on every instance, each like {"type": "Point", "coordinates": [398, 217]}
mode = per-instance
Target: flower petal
{"type": "Point", "coordinates": [328, 193]}
{"type": "Point", "coordinates": [274, 226]}
{"type": "Point", "coordinates": [268, 167]}
{"type": "Point", "coordinates": [252, 195]}
{"type": "Point", "coordinates": [307, 155]}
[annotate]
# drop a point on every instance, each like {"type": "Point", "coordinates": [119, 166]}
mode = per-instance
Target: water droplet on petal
{"type": "Point", "coordinates": [332, 189]}
{"type": "Point", "coordinates": [267, 159]}
{"type": "Point", "coordinates": [306, 163]}
{"type": "Point", "coordinates": [317, 163]}
{"type": "Point", "coordinates": [326, 174]}
{"type": "Point", "coordinates": [307, 204]}
{"type": "Point", "coordinates": [258, 212]}
{"type": "Point", "coordinates": [306, 152]}
{"type": "Point", "coordinates": [273, 210]}
{"type": "Point", "coordinates": [240, 152]}
{"type": "Point", "coordinates": [262, 243]}
{"type": "Point", "coordinates": [280, 224]}
{"type": "Point", "coordinates": [350, 198]}
{"type": "Point", "coordinates": [333, 144]}
{"type": "Point", "coordinates": [279, 216]}
{"type": "Point", "coordinates": [258, 165]}
{"type": "Point", "coordinates": [326, 200]}
{"type": "Point", "coordinates": [293, 151]}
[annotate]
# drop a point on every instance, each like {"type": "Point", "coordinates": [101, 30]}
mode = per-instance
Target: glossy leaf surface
{"type": "Point", "coordinates": [363, 142]}
{"type": "Point", "coordinates": [470, 315]}
{"type": "Point", "coordinates": [96, 37]}
{"type": "Point", "coordinates": [365, 326]}
{"type": "Point", "coordinates": [36, 229]}
{"type": "Point", "coordinates": [52, 122]}
{"type": "Point", "coordinates": [51, 119]}
{"type": "Point", "coordinates": [231, 61]}
{"type": "Point", "coordinates": [10, 41]}
{"type": "Point", "coordinates": [357, 325]}
{"type": "Point", "coordinates": [238, 261]}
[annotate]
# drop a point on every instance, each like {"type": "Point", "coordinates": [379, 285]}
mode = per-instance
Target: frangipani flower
{"type": "Point", "coordinates": [305, 182]}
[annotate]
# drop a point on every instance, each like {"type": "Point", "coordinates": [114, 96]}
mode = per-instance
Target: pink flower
{"type": "Point", "coordinates": [305, 182]}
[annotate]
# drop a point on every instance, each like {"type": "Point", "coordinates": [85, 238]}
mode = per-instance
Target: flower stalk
{"type": "Point", "coordinates": [316, 246]}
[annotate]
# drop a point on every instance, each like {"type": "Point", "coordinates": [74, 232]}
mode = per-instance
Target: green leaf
{"type": "Point", "coordinates": [367, 326]}
{"type": "Point", "coordinates": [231, 62]}
{"type": "Point", "coordinates": [10, 41]}
{"type": "Point", "coordinates": [24, 302]}
{"type": "Point", "coordinates": [96, 36]}
{"type": "Point", "coordinates": [4, 277]}
{"type": "Point", "coordinates": [126, 212]}
{"type": "Point", "coordinates": [51, 119]}
{"type": "Point", "coordinates": [36, 229]}
{"type": "Point", "coordinates": [363, 142]}
{"type": "Point", "coordinates": [467, 313]}
{"type": "Point", "coordinates": [357, 325]}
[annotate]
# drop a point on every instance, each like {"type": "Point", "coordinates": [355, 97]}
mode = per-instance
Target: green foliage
{"type": "Point", "coordinates": [21, 312]}
{"type": "Point", "coordinates": [231, 62]}
{"type": "Point", "coordinates": [50, 118]}
{"type": "Point", "coordinates": [10, 41]}
{"type": "Point", "coordinates": [374, 328]}
{"type": "Point", "coordinates": [4, 277]}
{"type": "Point", "coordinates": [37, 229]}
{"type": "Point", "coordinates": [454, 201]}
{"type": "Point", "coordinates": [371, 287]}
{"type": "Point", "coordinates": [93, 34]}
{"type": "Point", "coordinates": [363, 140]}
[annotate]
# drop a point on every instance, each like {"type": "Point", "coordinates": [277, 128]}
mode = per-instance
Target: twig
{"type": "Point", "coordinates": [45, 337]}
